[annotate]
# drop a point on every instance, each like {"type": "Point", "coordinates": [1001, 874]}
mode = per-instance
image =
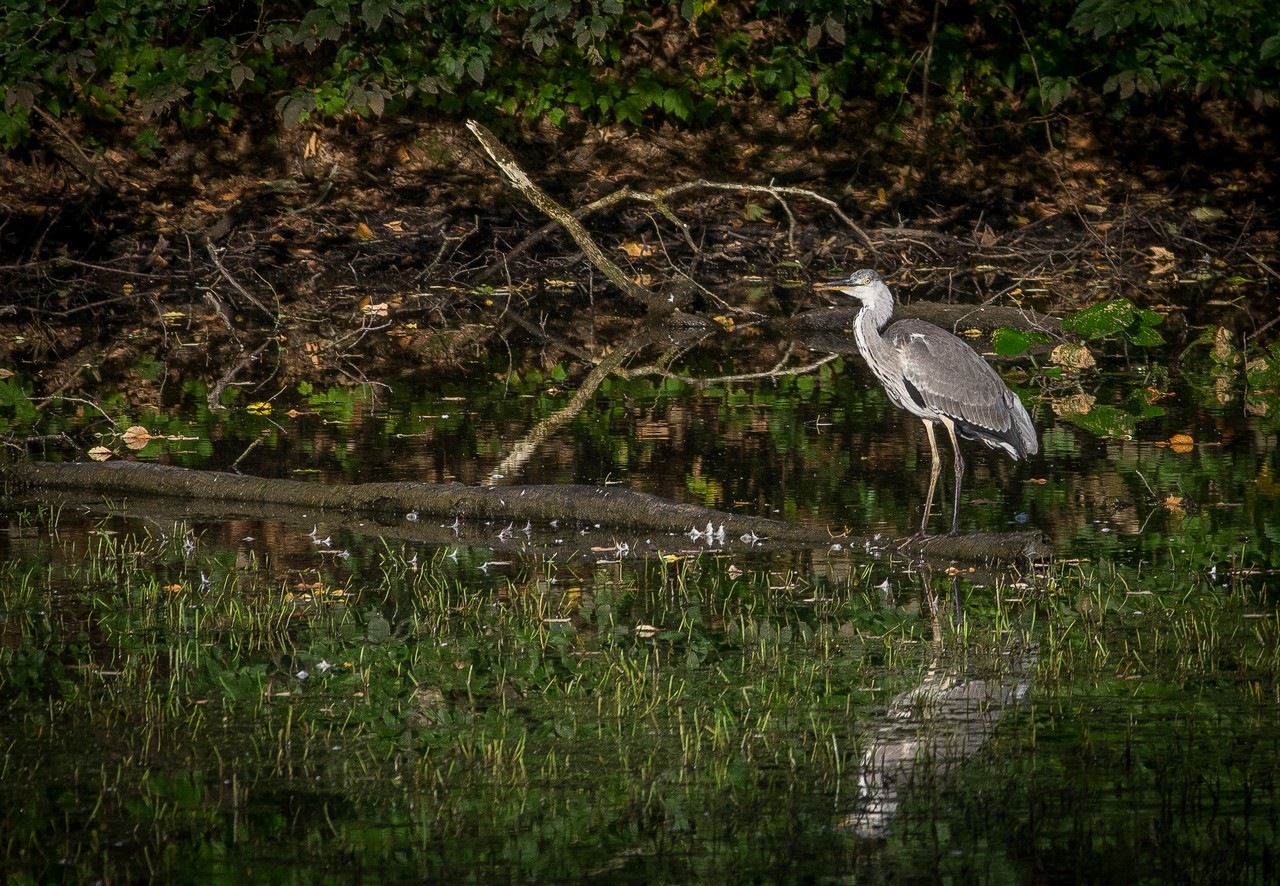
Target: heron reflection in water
{"type": "Point", "coordinates": [939, 379]}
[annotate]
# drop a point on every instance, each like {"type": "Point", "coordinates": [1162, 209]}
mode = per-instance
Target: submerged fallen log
{"type": "Point", "coordinates": [213, 492]}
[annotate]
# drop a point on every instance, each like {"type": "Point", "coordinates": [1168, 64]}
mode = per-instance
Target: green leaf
{"type": "Point", "coordinates": [1012, 342]}
{"type": "Point", "coordinates": [1106, 318]}
{"type": "Point", "coordinates": [294, 108]}
{"type": "Point", "coordinates": [1146, 337]}
{"type": "Point", "coordinates": [1105, 421]}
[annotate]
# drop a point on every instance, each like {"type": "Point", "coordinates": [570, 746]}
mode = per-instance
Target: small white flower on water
{"type": "Point", "coordinates": [324, 666]}
{"type": "Point", "coordinates": [303, 674]}
{"type": "Point", "coordinates": [412, 516]}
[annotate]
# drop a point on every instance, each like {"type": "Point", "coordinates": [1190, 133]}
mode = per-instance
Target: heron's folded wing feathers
{"type": "Point", "coordinates": [951, 378]}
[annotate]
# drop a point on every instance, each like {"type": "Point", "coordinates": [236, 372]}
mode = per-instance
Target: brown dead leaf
{"type": "Point", "coordinates": [136, 437]}
{"type": "Point", "coordinates": [1076, 404]}
{"type": "Point", "coordinates": [1181, 443]}
{"type": "Point", "coordinates": [100, 453]}
{"type": "Point", "coordinates": [1072, 356]}
{"type": "Point", "coordinates": [1174, 503]}
{"type": "Point", "coordinates": [1162, 261]}
{"type": "Point", "coordinates": [638, 250]}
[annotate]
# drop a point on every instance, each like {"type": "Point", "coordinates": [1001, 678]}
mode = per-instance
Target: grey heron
{"type": "Point", "coordinates": [939, 379]}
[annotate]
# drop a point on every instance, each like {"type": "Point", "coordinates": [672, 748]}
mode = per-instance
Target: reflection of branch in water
{"type": "Point", "coordinates": [524, 448]}
{"type": "Point", "coordinates": [924, 733]}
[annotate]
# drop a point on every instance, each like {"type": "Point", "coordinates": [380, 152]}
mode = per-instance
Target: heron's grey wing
{"type": "Point", "coordinates": [943, 373]}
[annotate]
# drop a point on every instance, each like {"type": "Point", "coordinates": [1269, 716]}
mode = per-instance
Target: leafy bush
{"type": "Point", "coordinates": [623, 61]}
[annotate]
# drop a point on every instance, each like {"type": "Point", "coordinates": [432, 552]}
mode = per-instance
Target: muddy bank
{"type": "Point", "coordinates": [366, 251]}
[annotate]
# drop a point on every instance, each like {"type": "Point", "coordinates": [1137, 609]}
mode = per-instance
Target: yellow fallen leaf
{"type": "Point", "coordinates": [364, 232]}
{"type": "Point", "coordinates": [1208, 214]}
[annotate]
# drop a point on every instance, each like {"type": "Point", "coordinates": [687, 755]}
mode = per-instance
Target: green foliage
{"type": "Point", "coordinates": [1013, 342]}
{"type": "Point", "coordinates": [1184, 46]}
{"type": "Point", "coordinates": [614, 61]}
{"type": "Point", "coordinates": [1117, 317]}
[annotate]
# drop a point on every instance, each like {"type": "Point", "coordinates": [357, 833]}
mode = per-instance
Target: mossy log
{"type": "Point", "coordinates": [609, 507]}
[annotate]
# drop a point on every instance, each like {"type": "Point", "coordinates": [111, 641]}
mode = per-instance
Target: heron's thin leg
{"type": "Point", "coordinates": [955, 444]}
{"type": "Point", "coordinates": [934, 470]}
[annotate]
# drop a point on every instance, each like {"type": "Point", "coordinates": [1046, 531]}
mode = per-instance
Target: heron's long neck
{"type": "Point", "coordinates": [875, 313]}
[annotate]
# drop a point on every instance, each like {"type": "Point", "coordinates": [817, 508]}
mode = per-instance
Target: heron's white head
{"type": "Point", "coordinates": [864, 285]}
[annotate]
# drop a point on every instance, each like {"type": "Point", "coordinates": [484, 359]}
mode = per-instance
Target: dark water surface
{"type": "Point", "coordinates": [232, 699]}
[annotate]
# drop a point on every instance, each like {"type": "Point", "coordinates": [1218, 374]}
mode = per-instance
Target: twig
{"type": "Point", "coordinates": [1274, 320]}
{"type": "Point", "coordinates": [774, 191]}
{"type": "Point", "coordinates": [776, 372]}
{"type": "Point", "coordinates": [215, 393]}
{"type": "Point", "coordinates": [217, 263]}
